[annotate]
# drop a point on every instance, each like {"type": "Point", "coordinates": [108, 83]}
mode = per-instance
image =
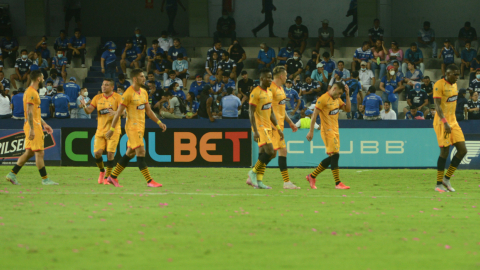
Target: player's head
{"type": "Point", "coordinates": [151, 85]}
{"type": "Point", "coordinates": [265, 78]}
{"type": "Point", "coordinates": [229, 90]}
{"type": "Point", "coordinates": [174, 87]}
{"type": "Point", "coordinates": [366, 45]}
{"type": "Point", "coordinates": [24, 54]}
{"type": "Point", "coordinates": [107, 86]}
{"type": "Point", "coordinates": [337, 90]}
{"type": "Point", "coordinates": [426, 80]}
{"type": "Point", "coordinates": [168, 95]}
{"type": "Point", "coordinates": [452, 73]}
{"type": "Point", "coordinates": [326, 56]}
{"type": "Point", "coordinates": [411, 66]}
{"type": "Point", "coordinates": [340, 65]}
{"type": "Point", "coordinates": [413, 110]}
{"type": "Point", "coordinates": [36, 77]}
{"type": "Point", "coordinates": [387, 105]}
{"type": "Point", "coordinates": [138, 77]}
{"type": "Point", "coordinates": [176, 42]}
{"type": "Point", "coordinates": [296, 54]}
{"type": "Point", "coordinates": [279, 72]}
{"type": "Point", "coordinates": [413, 47]}
{"type": "Point", "coordinates": [120, 90]}
{"type": "Point", "coordinates": [372, 89]}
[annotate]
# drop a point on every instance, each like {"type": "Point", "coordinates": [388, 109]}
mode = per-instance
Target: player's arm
{"type": "Point", "coordinates": [251, 114]}
{"type": "Point", "coordinates": [46, 126]}
{"type": "Point", "coordinates": [290, 123]}
{"type": "Point", "coordinates": [274, 121]}
{"type": "Point", "coordinates": [347, 107]}
{"type": "Point", "coordinates": [154, 118]}
{"type": "Point", "coordinates": [438, 108]}
{"type": "Point", "coordinates": [116, 118]}
{"type": "Point", "coordinates": [312, 124]}
{"type": "Point", "coordinates": [30, 109]}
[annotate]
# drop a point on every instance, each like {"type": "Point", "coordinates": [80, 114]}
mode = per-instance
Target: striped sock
{"type": "Point", "coordinates": [285, 176]}
{"type": "Point", "coordinates": [318, 170]}
{"type": "Point", "coordinates": [336, 175]}
{"type": "Point", "coordinates": [258, 166]}
{"type": "Point", "coordinates": [100, 165]}
{"type": "Point", "coordinates": [439, 177]}
{"type": "Point", "coordinates": [146, 173]}
{"type": "Point", "coordinates": [118, 170]}
{"type": "Point", "coordinates": [261, 172]}
{"type": "Point", "coordinates": [109, 169]}
{"type": "Point", "coordinates": [450, 171]}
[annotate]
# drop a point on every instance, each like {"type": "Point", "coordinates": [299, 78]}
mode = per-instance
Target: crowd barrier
{"type": "Point", "coordinates": [228, 143]}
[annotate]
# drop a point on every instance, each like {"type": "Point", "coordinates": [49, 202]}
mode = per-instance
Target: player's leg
{"type": "Point", "coordinates": [111, 148]}
{"type": "Point", "coordinates": [41, 167]}
{"type": "Point", "coordinates": [122, 163]}
{"type": "Point", "coordinates": [282, 164]}
{"type": "Point", "coordinates": [270, 152]}
{"type": "Point", "coordinates": [265, 154]}
{"type": "Point", "coordinates": [98, 146]}
{"type": "Point", "coordinates": [12, 175]}
{"type": "Point", "coordinates": [461, 152]}
{"type": "Point", "coordinates": [142, 165]}
{"type": "Point", "coordinates": [311, 178]}
{"type": "Point", "coordinates": [336, 171]}
{"type": "Point", "coordinates": [442, 160]}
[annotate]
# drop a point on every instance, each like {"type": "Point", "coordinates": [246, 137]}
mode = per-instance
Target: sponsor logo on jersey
{"type": "Point", "coordinates": [141, 107]}
{"type": "Point", "coordinates": [334, 112]}
{"type": "Point", "coordinates": [282, 102]}
{"type": "Point", "coordinates": [452, 99]}
{"type": "Point", "coordinates": [266, 106]}
{"type": "Point", "coordinates": [103, 111]}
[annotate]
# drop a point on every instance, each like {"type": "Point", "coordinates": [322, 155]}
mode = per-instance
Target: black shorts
{"type": "Point", "coordinates": [182, 76]}
{"type": "Point", "coordinates": [70, 13]}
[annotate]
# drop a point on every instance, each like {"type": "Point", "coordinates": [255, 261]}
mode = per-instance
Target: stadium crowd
{"type": "Point", "coordinates": [223, 89]}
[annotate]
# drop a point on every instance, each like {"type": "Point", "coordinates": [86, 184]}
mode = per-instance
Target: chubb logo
{"type": "Point", "coordinates": [267, 106]}
{"type": "Point", "coordinates": [452, 99]}
{"type": "Point", "coordinates": [473, 151]}
{"type": "Point", "coordinates": [334, 112]}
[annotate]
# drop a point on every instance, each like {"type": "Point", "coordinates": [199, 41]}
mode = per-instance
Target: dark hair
{"type": "Point", "coordinates": [108, 80]}
{"type": "Point", "coordinates": [155, 41]}
{"type": "Point", "coordinates": [340, 85]}
{"type": "Point", "coordinates": [172, 86]}
{"type": "Point", "coordinates": [217, 41]}
{"type": "Point", "coordinates": [121, 76]}
{"type": "Point", "coordinates": [167, 94]}
{"type": "Point", "coordinates": [59, 88]}
{"type": "Point", "coordinates": [180, 55]}
{"type": "Point", "coordinates": [206, 89]}
{"type": "Point", "coordinates": [226, 54]}
{"type": "Point", "coordinates": [150, 72]}
{"type": "Point", "coordinates": [452, 67]}
{"type": "Point", "coordinates": [164, 32]}
{"type": "Point", "coordinates": [413, 107]}
{"type": "Point", "coordinates": [152, 82]}
{"type": "Point", "coordinates": [159, 54]}
{"type": "Point", "coordinates": [53, 71]}
{"type": "Point", "coordinates": [340, 62]}
{"type": "Point", "coordinates": [468, 42]}
{"type": "Point", "coordinates": [35, 75]}
{"type": "Point", "coordinates": [385, 102]}
{"type": "Point", "coordinates": [24, 50]}
{"type": "Point", "coordinates": [77, 30]}
{"type": "Point", "coordinates": [48, 81]}
{"type": "Point", "coordinates": [372, 89]}
{"type": "Point", "coordinates": [229, 90]}
{"type": "Point", "coordinates": [365, 43]}
{"type": "Point", "coordinates": [264, 72]}
{"type": "Point", "coordinates": [244, 72]}
{"type": "Point", "coordinates": [296, 51]}
{"type": "Point", "coordinates": [135, 72]}
{"type": "Point", "coordinates": [326, 54]}
{"type": "Point", "coordinates": [413, 44]}
{"type": "Point", "coordinates": [426, 77]}
{"type": "Point", "coordinates": [355, 74]}
{"type": "Point", "coordinates": [226, 74]}
{"type": "Point", "coordinates": [467, 24]}
{"type": "Point", "coordinates": [426, 23]}
{"type": "Point", "coordinates": [192, 95]}
{"type": "Point", "coordinates": [177, 39]}
{"type": "Point", "coordinates": [376, 19]}
{"type": "Point", "coordinates": [171, 72]}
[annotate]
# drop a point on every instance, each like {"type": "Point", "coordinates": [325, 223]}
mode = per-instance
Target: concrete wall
{"type": "Point", "coordinates": [17, 14]}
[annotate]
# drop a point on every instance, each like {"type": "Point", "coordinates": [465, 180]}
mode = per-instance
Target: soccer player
{"type": "Point", "coordinates": [279, 99]}
{"type": "Point", "coordinates": [446, 127]}
{"type": "Point", "coordinates": [135, 103]}
{"type": "Point", "coordinates": [33, 131]}
{"type": "Point", "coordinates": [328, 106]}
{"type": "Point", "coordinates": [261, 118]}
{"type": "Point", "coordinates": [106, 104]}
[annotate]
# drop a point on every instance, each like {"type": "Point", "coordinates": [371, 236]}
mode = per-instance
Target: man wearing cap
{"type": "Point", "coordinates": [61, 42]}
{"type": "Point", "coordinates": [130, 56]}
{"type": "Point", "coordinates": [140, 42]}
{"type": "Point", "coordinates": [431, 114]}
{"type": "Point", "coordinates": [467, 33]}
{"type": "Point", "coordinates": [298, 34]}
{"type": "Point", "coordinates": [76, 47]}
{"type": "Point", "coordinates": [61, 104]}
{"type": "Point", "coordinates": [197, 86]}
{"type": "Point", "coordinates": [414, 114]}
{"type": "Point", "coordinates": [45, 104]}
{"type": "Point", "coordinates": [225, 27]}
{"type": "Point", "coordinates": [367, 78]}
{"type": "Point", "coordinates": [284, 54]}
{"type": "Point", "coordinates": [72, 89]}
{"type": "Point", "coordinates": [164, 41]}
{"type": "Point", "coordinates": [320, 75]}
{"type": "Point", "coordinates": [375, 33]}
{"type": "Point", "coordinates": [294, 65]}
{"type": "Point", "coordinates": [108, 61]}
{"type": "Point", "coordinates": [325, 37]}
{"type": "Point", "coordinates": [41, 47]}
{"type": "Point", "coordinates": [151, 53]}
{"type": "Point", "coordinates": [415, 56]}
{"type": "Point", "coordinates": [266, 57]}
{"type": "Point", "coordinates": [336, 78]}
{"type": "Point", "coordinates": [387, 113]}
{"type": "Point", "coordinates": [214, 84]}
{"type": "Point", "coordinates": [426, 38]}
{"type": "Point", "coordinates": [362, 54]}
{"type": "Point", "coordinates": [245, 85]}
{"type": "Point", "coordinates": [448, 52]}
{"type": "Point", "coordinates": [373, 105]}
{"type": "Point", "coordinates": [306, 120]}
{"type": "Point", "coordinates": [417, 97]}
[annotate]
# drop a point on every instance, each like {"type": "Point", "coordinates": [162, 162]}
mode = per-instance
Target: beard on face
{"type": "Point", "coordinates": [40, 85]}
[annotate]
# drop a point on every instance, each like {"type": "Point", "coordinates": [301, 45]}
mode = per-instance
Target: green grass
{"type": "Point", "coordinates": [390, 219]}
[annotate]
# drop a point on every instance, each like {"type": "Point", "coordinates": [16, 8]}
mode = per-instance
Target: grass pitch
{"type": "Point", "coordinates": [207, 218]}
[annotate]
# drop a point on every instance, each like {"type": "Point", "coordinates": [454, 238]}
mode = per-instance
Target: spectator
{"type": "Point", "coordinates": [130, 57]}
{"type": "Point", "coordinates": [245, 86]}
{"type": "Point", "coordinates": [5, 83]}
{"type": "Point", "coordinates": [266, 57]}
{"type": "Point", "coordinates": [151, 77]}
{"type": "Point", "coordinates": [197, 86]}
{"type": "Point", "coordinates": [156, 97]}
{"type": "Point", "coordinates": [61, 104]}
{"type": "Point", "coordinates": [17, 104]}
{"type": "Point", "coordinates": [191, 106]}
{"type": "Point", "coordinates": [294, 65]}
{"type": "Point", "coordinates": [359, 115]}
{"type": "Point", "coordinates": [59, 63]}
{"type": "Point", "coordinates": [328, 64]}
{"type": "Point", "coordinates": [51, 92]}
{"type": "Point", "coordinates": [386, 113]}
{"type": "Point", "coordinates": [475, 83]}
{"type": "Point", "coordinates": [9, 47]}
{"type": "Point", "coordinates": [426, 38]}
{"type": "Point", "coordinates": [473, 108]}
{"type": "Point", "coordinates": [76, 47]}
{"type": "Point", "coordinates": [462, 105]}
{"type": "Point", "coordinates": [140, 42]}
{"type": "Point", "coordinates": [309, 90]}
{"type": "Point", "coordinates": [217, 48]}
{"type": "Point", "coordinates": [72, 8]}
{"type": "Point", "coordinates": [161, 67]}
{"type": "Point", "coordinates": [174, 103]}
{"type": "Point", "coordinates": [211, 66]}
{"type": "Point", "coordinates": [427, 86]}
{"type": "Point", "coordinates": [378, 60]}
{"type": "Point", "coordinates": [353, 26]}
{"type": "Point", "coordinates": [362, 54]}
{"type": "Point", "coordinates": [41, 47]}
{"type": "Point", "coordinates": [394, 84]}
{"type": "Point", "coordinates": [418, 98]}
{"type": "Point", "coordinates": [375, 33]}
{"type": "Point", "coordinates": [238, 55]}
{"type": "Point", "coordinates": [305, 121]}
{"type": "Point", "coordinates": [45, 104]}
{"type": "Point", "coordinates": [297, 84]}
{"type": "Point", "coordinates": [346, 72]}
{"type": "Point", "coordinates": [320, 75]}
{"type": "Point", "coordinates": [468, 55]}
{"type": "Point", "coordinates": [214, 84]}
{"type": "Point", "coordinates": [432, 112]}
{"type": "Point", "coordinates": [151, 53]}
{"type": "Point", "coordinates": [227, 65]}
{"type": "Point", "coordinates": [180, 66]}
{"type": "Point", "coordinates": [325, 37]}
{"type": "Point", "coordinates": [414, 114]}
{"type": "Point", "coordinates": [412, 77]}
{"type": "Point", "coordinates": [448, 52]}
{"type": "Point", "coordinates": [337, 78]}
{"type": "Point", "coordinates": [22, 69]}
{"type": "Point", "coordinates": [284, 54]}
{"type": "Point", "coordinates": [173, 79]}
{"type": "Point", "coordinates": [474, 66]}
{"type": "Point", "coordinates": [267, 8]}
{"type": "Point", "coordinates": [61, 43]}
{"type": "Point", "coordinates": [165, 42]}
{"type": "Point", "coordinates": [467, 34]}
{"type": "Point", "coordinates": [108, 61]}
{"type": "Point", "coordinates": [415, 56]}
{"type": "Point", "coordinates": [40, 63]}
{"type": "Point", "coordinates": [122, 82]}
{"type": "Point", "coordinates": [5, 105]}
{"type": "Point", "coordinates": [81, 114]}
{"type": "Point", "coordinates": [151, 89]}
{"type": "Point", "coordinates": [230, 105]}
{"type": "Point", "coordinates": [398, 72]}
{"type": "Point", "coordinates": [312, 63]}
{"type": "Point", "coordinates": [292, 101]}
{"type": "Point", "coordinates": [355, 94]}
{"type": "Point", "coordinates": [216, 111]}
{"type": "Point", "coordinates": [120, 90]}
{"type": "Point", "coordinates": [175, 50]}
{"type": "Point", "coordinates": [298, 34]}
{"type": "Point", "coordinates": [225, 27]}
{"type": "Point", "coordinates": [177, 91]}
{"type": "Point", "coordinates": [373, 105]}
{"type": "Point", "coordinates": [72, 90]}
{"type": "Point", "coordinates": [172, 7]}
{"type": "Point", "coordinates": [226, 83]}
{"type": "Point", "coordinates": [56, 80]}
{"type": "Point", "coordinates": [367, 78]}
{"type": "Point", "coordinates": [395, 54]}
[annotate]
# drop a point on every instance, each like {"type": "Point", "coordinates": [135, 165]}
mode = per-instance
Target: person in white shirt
{"type": "Point", "coordinates": [172, 79]}
{"type": "Point", "coordinates": [387, 113]}
{"type": "Point", "coordinates": [367, 78]}
{"type": "Point", "coordinates": [5, 108]}
{"type": "Point", "coordinates": [165, 42]}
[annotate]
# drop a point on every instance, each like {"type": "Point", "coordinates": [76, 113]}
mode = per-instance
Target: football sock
{"type": "Point", "coordinates": [16, 169]}
{"type": "Point", "coordinates": [122, 163]}
{"type": "Point", "coordinates": [453, 166]}
{"type": "Point", "coordinates": [282, 164]}
{"type": "Point", "coordinates": [142, 165]}
{"type": "Point", "coordinates": [440, 169]}
{"type": "Point", "coordinates": [99, 162]}
{"type": "Point", "coordinates": [321, 167]}
{"type": "Point", "coordinates": [108, 172]}
{"type": "Point", "coordinates": [43, 173]}
{"type": "Point", "coordinates": [263, 159]}
{"type": "Point", "coordinates": [335, 170]}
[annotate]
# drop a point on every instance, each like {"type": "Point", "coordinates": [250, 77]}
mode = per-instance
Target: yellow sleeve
{"type": "Point", "coordinates": [94, 101]}
{"type": "Point", "coordinates": [146, 96]}
{"type": "Point", "coordinates": [320, 103]}
{"type": "Point", "coordinates": [31, 98]}
{"type": "Point", "coordinates": [340, 103]}
{"type": "Point", "coordinates": [126, 98]}
{"type": "Point", "coordinates": [254, 97]}
{"type": "Point", "coordinates": [438, 89]}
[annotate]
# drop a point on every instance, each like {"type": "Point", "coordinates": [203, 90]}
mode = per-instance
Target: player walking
{"type": "Point", "coordinates": [446, 127]}
{"type": "Point", "coordinates": [278, 103]}
{"type": "Point", "coordinates": [261, 118]}
{"type": "Point", "coordinates": [328, 106]}
{"type": "Point", "coordinates": [135, 102]}
{"type": "Point", "coordinates": [106, 104]}
{"type": "Point", "coordinates": [32, 127]}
